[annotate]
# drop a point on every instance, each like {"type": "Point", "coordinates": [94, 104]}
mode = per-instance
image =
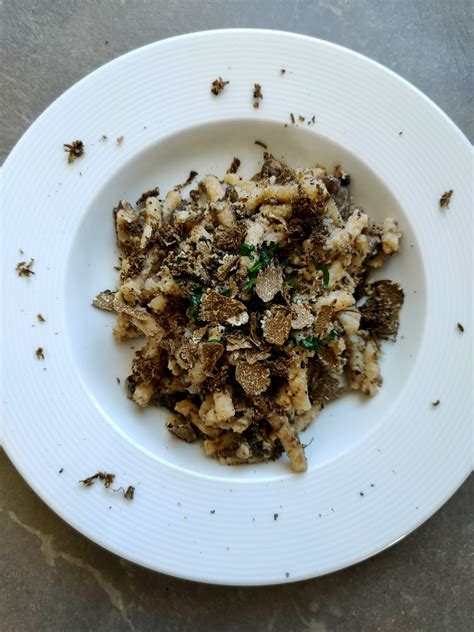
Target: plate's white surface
{"type": "Point", "coordinates": [378, 468]}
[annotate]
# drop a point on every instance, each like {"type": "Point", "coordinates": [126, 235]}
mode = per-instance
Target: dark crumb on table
{"type": "Point", "coordinates": [25, 269]}
{"type": "Point", "coordinates": [275, 516]}
{"type": "Point", "coordinates": [106, 42]}
{"type": "Point", "coordinates": [436, 403]}
{"type": "Point", "coordinates": [74, 150]}
{"type": "Point", "coordinates": [292, 117]}
{"type": "Point", "coordinates": [445, 199]}
{"type": "Point", "coordinates": [39, 353]}
{"type": "Point", "coordinates": [151, 193]}
{"type": "Point", "coordinates": [190, 178]}
{"type": "Point", "coordinates": [213, 511]}
{"type": "Point", "coordinates": [61, 471]}
{"type": "Point", "coordinates": [400, 133]}
{"type": "Point", "coordinates": [287, 574]}
{"type": "Point", "coordinates": [282, 71]}
{"type": "Point", "coordinates": [257, 95]}
{"type": "Point", "coordinates": [235, 164]}
{"type": "Point", "coordinates": [41, 318]}
{"type": "Point", "coordinates": [259, 142]}
{"type": "Point", "coordinates": [118, 380]}
{"type": "Point", "coordinates": [372, 485]}
{"type": "Point", "coordinates": [120, 140]}
{"type": "Point", "coordinates": [361, 493]}
{"type": "Point", "coordinates": [460, 327]}
{"type": "Point", "coordinates": [218, 85]}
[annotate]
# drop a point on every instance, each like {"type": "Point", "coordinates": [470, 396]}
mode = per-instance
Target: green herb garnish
{"type": "Point", "coordinates": [193, 309]}
{"type": "Point", "coordinates": [250, 283]}
{"type": "Point", "coordinates": [314, 344]}
{"type": "Point", "coordinates": [215, 340]}
{"type": "Point", "coordinates": [179, 259]}
{"type": "Point", "coordinates": [325, 271]}
{"type": "Point", "coordinates": [246, 250]}
{"type": "Point", "coordinates": [267, 253]}
{"type": "Point", "coordinates": [225, 292]}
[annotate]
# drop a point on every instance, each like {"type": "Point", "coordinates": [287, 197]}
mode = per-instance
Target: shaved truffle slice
{"type": "Point", "coordinates": [210, 352]}
{"type": "Point", "coordinates": [276, 325]}
{"type": "Point", "coordinates": [445, 198]}
{"type": "Point", "coordinates": [278, 366]}
{"type": "Point", "coordinates": [274, 168]}
{"type": "Point", "coordinates": [228, 263]}
{"type": "Point", "coordinates": [181, 428]}
{"type": "Point", "coordinates": [332, 362]}
{"type": "Point", "coordinates": [235, 342]}
{"type": "Point", "coordinates": [269, 283]}
{"type": "Point", "coordinates": [324, 388]}
{"type": "Point", "coordinates": [218, 85]}
{"type": "Point", "coordinates": [381, 311]}
{"type": "Point", "coordinates": [105, 301]}
{"type": "Point", "coordinates": [253, 330]}
{"type": "Point", "coordinates": [323, 319]}
{"type": "Point", "coordinates": [253, 378]}
{"type": "Point", "coordinates": [257, 355]}
{"type": "Point", "coordinates": [339, 193]}
{"type": "Point", "coordinates": [301, 316]}
{"type": "Point", "coordinates": [216, 309]}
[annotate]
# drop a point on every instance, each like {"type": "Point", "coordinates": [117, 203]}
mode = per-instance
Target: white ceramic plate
{"type": "Point", "coordinates": [378, 468]}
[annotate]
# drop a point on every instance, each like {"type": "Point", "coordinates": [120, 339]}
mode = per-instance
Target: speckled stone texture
{"type": "Point", "coordinates": [51, 578]}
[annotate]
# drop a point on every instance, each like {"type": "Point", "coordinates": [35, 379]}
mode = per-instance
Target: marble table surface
{"type": "Point", "coordinates": [52, 578]}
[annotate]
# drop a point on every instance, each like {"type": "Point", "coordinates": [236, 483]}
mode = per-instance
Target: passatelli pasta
{"type": "Point", "coordinates": [254, 299]}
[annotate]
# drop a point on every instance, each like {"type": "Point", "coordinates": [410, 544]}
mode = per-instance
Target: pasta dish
{"type": "Point", "coordinates": [255, 302]}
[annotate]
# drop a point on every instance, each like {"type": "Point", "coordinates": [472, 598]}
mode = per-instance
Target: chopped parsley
{"type": "Point", "coordinates": [215, 340]}
{"type": "Point", "coordinates": [193, 309]}
{"type": "Point", "coordinates": [325, 271]}
{"type": "Point", "coordinates": [246, 250]}
{"type": "Point", "coordinates": [267, 253]}
{"type": "Point", "coordinates": [313, 343]}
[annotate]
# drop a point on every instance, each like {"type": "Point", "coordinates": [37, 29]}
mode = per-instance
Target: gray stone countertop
{"type": "Point", "coordinates": [52, 578]}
